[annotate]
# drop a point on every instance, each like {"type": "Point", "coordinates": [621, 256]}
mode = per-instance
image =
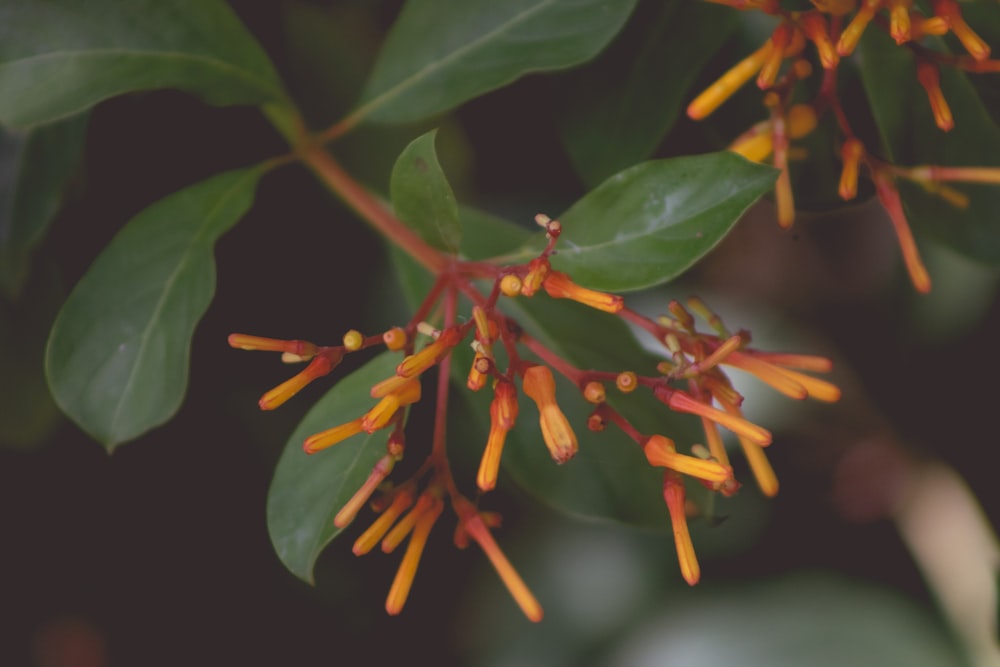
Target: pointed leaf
{"type": "Point", "coordinates": [616, 110]}
{"type": "Point", "coordinates": [422, 196]}
{"type": "Point", "coordinates": [308, 490]}
{"type": "Point", "coordinates": [117, 357]}
{"type": "Point", "coordinates": [441, 53]}
{"type": "Point", "coordinates": [35, 166]}
{"type": "Point", "coordinates": [59, 57]}
{"type": "Point", "coordinates": [648, 224]}
{"type": "Point", "coordinates": [912, 138]}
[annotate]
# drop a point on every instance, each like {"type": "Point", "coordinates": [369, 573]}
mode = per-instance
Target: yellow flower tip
{"type": "Point", "coordinates": [328, 438]}
{"type": "Point", "coordinates": [510, 285]}
{"type": "Point", "coordinates": [769, 374]}
{"type": "Point", "coordinates": [276, 397]}
{"type": "Point", "coordinates": [627, 382]}
{"type": "Point", "coordinates": [353, 340]}
{"type": "Point", "coordinates": [300, 348]}
{"type": "Point", "coordinates": [851, 153]}
{"type": "Point", "coordinates": [538, 269]}
{"type": "Point", "coordinates": [675, 497]}
{"type": "Point", "coordinates": [678, 400]}
{"type": "Point", "coordinates": [972, 42]}
{"type": "Point", "coordinates": [405, 525]}
{"type": "Point", "coordinates": [661, 452]}
{"type": "Point", "coordinates": [720, 91]}
{"type": "Point", "coordinates": [394, 339]}
{"type": "Point", "coordinates": [380, 415]}
{"type": "Point", "coordinates": [559, 286]}
{"type": "Point", "coordinates": [403, 581]}
{"type": "Point", "coordinates": [780, 39]}
{"type": "Point", "coordinates": [593, 392]}
{"type": "Point", "coordinates": [415, 364]}
{"type": "Point", "coordinates": [558, 435]}
{"type": "Point", "coordinates": [934, 25]}
{"type": "Point", "coordinates": [930, 78]}
{"type": "Point", "coordinates": [816, 29]}
{"type": "Point", "coordinates": [763, 473]}
{"type": "Point", "coordinates": [503, 414]}
{"type": "Point", "coordinates": [476, 527]}
{"type": "Point", "coordinates": [401, 502]}
{"type": "Point", "coordinates": [899, 20]}
{"type": "Point", "coordinates": [784, 200]}
{"type": "Point", "coordinates": [351, 507]}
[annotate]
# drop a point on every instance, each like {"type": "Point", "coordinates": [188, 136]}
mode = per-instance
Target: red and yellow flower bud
{"type": "Point", "coordinates": [852, 33]}
{"type": "Point", "coordinates": [401, 501]}
{"type": "Point", "coordinates": [724, 88]}
{"type": "Point", "coordinates": [780, 39]}
{"type": "Point", "coordinates": [681, 402]}
{"type": "Point", "coordinates": [350, 509]}
{"type": "Point", "coordinates": [558, 434]}
{"type": "Point", "coordinates": [415, 364]}
{"type": "Point", "coordinates": [559, 286]}
{"type": "Point", "coordinates": [353, 340]}
{"type": "Point", "coordinates": [889, 196]}
{"type": "Point", "coordinates": [503, 414]}
{"type": "Point", "coordinates": [973, 43]}
{"type": "Point", "coordinates": [394, 339]}
{"type": "Point", "coordinates": [676, 499]}
{"type": "Point", "coordinates": [330, 437]}
{"type": "Point", "coordinates": [538, 269]}
{"type": "Point", "coordinates": [661, 452]}
{"type": "Point", "coordinates": [818, 32]}
{"type": "Point", "coordinates": [930, 78]}
{"type": "Point", "coordinates": [403, 581]}
{"type": "Point", "coordinates": [379, 416]}
{"type": "Point", "coordinates": [317, 368]}
{"type": "Point", "coordinates": [300, 348]}
{"type": "Point", "coordinates": [510, 285]}
{"type": "Point", "coordinates": [850, 153]}
{"type": "Point", "coordinates": [627, 382]}
{"type": "Point", "coordinates": [593, 392]}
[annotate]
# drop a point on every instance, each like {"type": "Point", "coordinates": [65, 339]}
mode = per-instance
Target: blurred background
{"type": "Point", "coordinates": [875, 552]}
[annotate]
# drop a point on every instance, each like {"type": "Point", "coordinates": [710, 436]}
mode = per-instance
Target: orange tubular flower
{"type": "Point", "coordinates": [973, 43]}
{"type": "Point", "coordinates": [411, 559]}
{"type": "Point", "coordinates": [852, 33]}
{"type": "Point", "coordinates": [780, 39]}
{"type": "Point", "coordinates": [720, 91]}
{"type": "Point", "coordinates": [503, 414]}
{"type": "Point", "coordinates": [850, 153]}
{"type": "Point", "coordinates": [681, 402]}
{"type": "Point", "coordinates": [818, 32]}
{"type": "Point", "coordinates": [361, 496]}
{"type": "Point", "coordinates": [661, 452]}
{"type": "Point", "coordinates": [790, 383]}
{"type": "Point", "coordinates": [474, 526]}
{"type": "Point", "coordinates": [300, 348]}
{"type": "Point", "coordinates": [899, 20]}
{"type": "Point", "coordinates": [415, 364]}
{"type": "Point", "coordinates": [559, 286]}
{"type": "Point", "coordinates": [558, 434]}
{"type": "Point", "coordinates": [763, 473]}
{"type": "Point", "coordinates": [317, 368]}
{"type": "Point", "coordinates": [675, 496]}
{"type": "Point", "coordinates": [538, 269]}
{"type": "Point", "coordinates": [889, 196]}
{"type": "Point", "coordinates": [401, 502]}
{"type": "Point", "coordinates": [330, 437]}
{"type": "Point", "coordinates": [379, 416]}
{"type": "Point", "coordinates": [930, 78]}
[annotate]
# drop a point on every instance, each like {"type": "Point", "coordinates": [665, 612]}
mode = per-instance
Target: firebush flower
{"type": "Point", "coordinates": [691, 380]}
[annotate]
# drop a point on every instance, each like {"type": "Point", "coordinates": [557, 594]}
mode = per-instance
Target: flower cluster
{"type": "Point", "coordinates": [834, 29]}
{"type": "Point", "coordinates": [690, 380]}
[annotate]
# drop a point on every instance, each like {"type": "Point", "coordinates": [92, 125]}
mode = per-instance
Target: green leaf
{"type": "Point", "coordinates": [616, 110]}
{"type": "Point", "coordinates": [648, 224]}
{"type": "Point", "coordinates": [35, 167]}
{"type": "Point", "coordinates": [59, 57]}
{"type": "Point", "coordinates": [912, 138]}
{"type": "Point", "coordinates": [441, 53]}
{"type": "Point", "coordinates": [308, 490]}
{"type": "Point", "coordinates": [422, 196]}
{"type": "Point", "coordinates": [117, 357]}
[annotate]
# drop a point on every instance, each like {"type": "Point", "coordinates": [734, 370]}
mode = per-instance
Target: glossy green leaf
{"type": "Point", "coordinates": [912, 138]}
{"type": "Point", "coordinates": [651, 222]}
{"type": "Point", "coordinates": [609, 479]}
{"type": "Point", "coordinates": [117, 357]}
{"type": "Point", "coordinates": [308, 490]}
{"type": "Point", "coordinates": [35, 167]}
{"type": "Point", "coordinates": [616, 110]}
{"type": "Point", "coordinates": [441, 53]}
{"type": "Point", "coordinates": [423, 198]}
{"type": "Point", "coordinates": [59, 57]}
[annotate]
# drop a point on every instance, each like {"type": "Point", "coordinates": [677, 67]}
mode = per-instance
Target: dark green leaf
{"type": "Point", "coordinates": [422, 196]}
{"type": "Point", "coordinates": [441, 53]}
{"type": "Point", "coordinates": [308, 490]}
{"type": "Point", "coordinates": [489, 236]}
{"type": "Point", "coordinates": [912, 138]}
{"type": "Point", "coordinates": [616, 110]}
{"type": "Point", "coordinates": [35, 166]}
{"type": "Point", "coordinates": [59, 57]}
{"type": "Point", "coordinates": [117, 358]}
{"type": "Point", "coordinates": [651, 222]}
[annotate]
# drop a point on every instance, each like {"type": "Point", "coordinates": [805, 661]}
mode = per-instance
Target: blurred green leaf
{"type": "Point", "coordinates": [912, 138]}
{"type": "Point", "coordinates": [117, 357]}
{"type": "Point", "coordinates": [441, 53]}
{"type": "Point", "coordinates": [615, 111]}
{"type": "Point", "coordinates": [29, 415]}
{"type": "Point", "coordinates": [422, 197]}
{"type": "Point", "coordinates": [308, 490]}
{"type": "Point", "coordinates": [35, 167]}
{"type": "Point", "coordinates": [59, 57]}
{"type": "Point", "coordinates": [648, 224]}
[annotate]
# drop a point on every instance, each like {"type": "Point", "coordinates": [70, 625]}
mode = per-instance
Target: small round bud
{"type": "Point", "coordinates": [394, 339]}
{"type": "Point", "coordinates": [626, 382]}
{"type": "Point", "coordinates": [396, 445]}
{"type": "Point", "coordinates": [596, 423]}
{"type": "Point", "coordinates": [594, 392]}
{"type": "Point", "coordinates": [353, 340]}
{"type": "Point", "coordinates": [510, 285]}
